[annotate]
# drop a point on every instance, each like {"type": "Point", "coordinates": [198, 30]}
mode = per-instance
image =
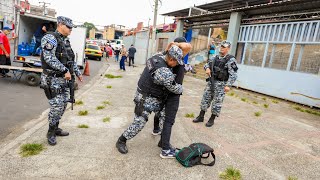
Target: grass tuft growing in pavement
{"type": "Point", "coordinates": [264, 98]}
{"type": "Point", "coordinates": [106, 102]}
{"type": "Point", "coordinates": [79, 102]}
{"type": "Point", "coordinates": [189, 115]}
{"type": "Point", "coordinates": [292, 178]}
{"type": "Point", "coordinates": [106, 119]}
{"type": "Point", "coordinates": [110, 76]}
{"type": "Point", "coordinates": [83, 126]}
{"type": "Point", "coordinates": [230, 173]}
{"type": "Point", "coordinates": [231, 94]}
{"type": "Point", "coordinates": [266, 105]}
{"type": "Point", "coordinates": [275, 101]}
{"type": "Point", "coordinates": [255, 102]}
{"type": "Point", "coordinates": [31, 149]}
{"type": "Point", "coordinates": [257, 114]}
{"type": "Point", "coordinates": [83, 113]}
{"type": "Point", "coordinates": [108, 87]}
{"type": "Point", "coordinates": [317, 113]}
{"type": "Point", "coordinates": [100, 107]}
{"type": "Point", "coordinates": [244, 99]}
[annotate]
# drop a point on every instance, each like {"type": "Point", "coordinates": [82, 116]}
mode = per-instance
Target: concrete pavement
{"type": "Point", "coordinates": [281, 142]}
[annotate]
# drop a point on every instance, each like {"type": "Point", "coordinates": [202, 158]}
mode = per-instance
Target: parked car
{"type": "Point", "coordinates": [93, 51]}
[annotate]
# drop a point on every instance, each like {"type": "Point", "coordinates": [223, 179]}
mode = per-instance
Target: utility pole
{"type": "Point", "coordinates": [44, 7]}
{"type": "Point", "coordinates": [147, 56]}
{"type": "Point", "coordinates": [154, 27]}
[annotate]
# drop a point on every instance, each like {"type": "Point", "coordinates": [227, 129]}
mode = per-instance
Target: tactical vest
{"type": "Point", "coordinates": [146, 83]}
{"type": "Point", "coordinates": [64, 53]}
{"type": "Point", "coordinates": [219, 70]}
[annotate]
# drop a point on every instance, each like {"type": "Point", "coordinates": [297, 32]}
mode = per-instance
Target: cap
{"type": "Point", "coordinates": [225, 44]}
{"type": "Point", "coordinates": [180, 39]}
{"type": "Point", "coordinates": [6, 28]}
{"type": "Point", "coordinates": [176, 53]}
{"type": "Point", "coordinates": [66, 21]}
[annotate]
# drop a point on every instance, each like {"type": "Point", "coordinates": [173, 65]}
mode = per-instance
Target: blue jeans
{"type": "Point", "coordinates": [122, 65]}
{"type": "Point", "coordinates": [117, 57]}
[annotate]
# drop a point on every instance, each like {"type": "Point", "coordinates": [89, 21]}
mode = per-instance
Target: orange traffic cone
{"type": "Point", "coordinates": [86, 69]}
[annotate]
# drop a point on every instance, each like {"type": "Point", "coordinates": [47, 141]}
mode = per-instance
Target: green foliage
{"type": "Point", "coordinates": [30, 149]}
{"type": "Point", "coordinates": [255, 102]}
{"type": "Point", "coordinates": [79, 102]}
{"type": "Point", "coordinates": [89, 26]}
{"type": "Point", "coordinates": [231, 93]}
{"type": "Point", "coordinates": [106, 102]}
{"type": "Point", "coordinates": [230, 174]}
{"type": "Point", "coordinates": [110, 76]}
{"type": "Point", "coordinates": [83, 113]}
{"type": "Point", "coordinates": [292, 178]}
{"type": "Point", "coordinates": [83, 126]}
{"type": "Point", "coordinates": [100, 107]}
{"type": "Point", "coordinates": [314, 112]}
{"type": "Point", "coordinates": [275, 101]}
{"type": "Point", "coordinates": [109, 87]}
{"type": "Point", "coordinates": [257, 114]}
{"type": "Point", "coordinates": [189, 115]}
{"type": "Point", "coordinates": [266, 105]}
{"type": "Point", "coordinates": [244, 99]}
{"type": "Point", "coordinates": [264, 98]}
{"type": "Point", "coordinates": [106, 119]}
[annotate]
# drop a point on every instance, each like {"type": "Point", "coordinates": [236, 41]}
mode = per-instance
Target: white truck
{"type": "Point", "coordinates": [27, 25]}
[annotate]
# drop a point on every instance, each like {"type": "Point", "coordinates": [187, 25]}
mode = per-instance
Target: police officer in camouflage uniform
{"type": "Point", "coordinates": [57, 60]}
{"type": "Point", "coordinates": [156, 81]}
{"type": "Point", "coordinates": [222, 72]}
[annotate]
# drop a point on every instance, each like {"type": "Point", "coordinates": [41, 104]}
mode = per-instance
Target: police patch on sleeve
{"type": "Point", "coordinates": [48, 46]}
{"type": "Point", "coordinates": [234, 66]}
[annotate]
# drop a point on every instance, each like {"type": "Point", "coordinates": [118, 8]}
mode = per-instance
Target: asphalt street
{"type": "Point", "coordinates": [21, 103]}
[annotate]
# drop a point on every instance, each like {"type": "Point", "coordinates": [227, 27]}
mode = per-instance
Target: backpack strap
{"type": "Point", "coordinates": [212, 163]}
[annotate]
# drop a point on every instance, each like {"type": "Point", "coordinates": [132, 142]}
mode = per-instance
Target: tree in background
{"type": "Point", "coordinates": [89, 26]}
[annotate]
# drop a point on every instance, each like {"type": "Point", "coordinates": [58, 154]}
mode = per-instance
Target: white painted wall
{"type": "Point", "coordinates": [294, 86]}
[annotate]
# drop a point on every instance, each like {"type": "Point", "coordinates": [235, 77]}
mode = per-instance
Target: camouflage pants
{"type": "Point", "coordinates": [161, 116]}
{"type": "Point", "coordinates": [59, 103]}
{"type": "Point", "coordinates": [214, 98]}
{"type": "Point", "coordinates": [150, 104]}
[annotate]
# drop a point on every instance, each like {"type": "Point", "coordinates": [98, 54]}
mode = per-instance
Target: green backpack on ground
{"type": "Point", "coordinates": [192, 155]}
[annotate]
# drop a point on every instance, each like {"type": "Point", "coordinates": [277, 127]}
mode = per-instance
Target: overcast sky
{"type": "Point", "coordinates": [121, 12]}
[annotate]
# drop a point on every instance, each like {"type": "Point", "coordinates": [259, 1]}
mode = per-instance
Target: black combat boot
{"type": "Point", "coordinates": [60, 132]}
{"type": "Point", "coordinates": [200, 118]}
{"type": "Point", "coordinates": [211, 120]}
{"type": "Point", "coordinates": [121, 145]}
{"type": "Point", "coordinates": [51, 135]}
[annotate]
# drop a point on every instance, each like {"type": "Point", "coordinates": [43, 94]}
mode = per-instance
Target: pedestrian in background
{"type": "Point", "coordinates": [123, 52]}
{"type": "Point", "coordinates": [211, 50]}
{"type": "Point", "coordinates": [222, 72]}
{"type": "Point", "coordinates": [5, 50]}
{"type": "Point", "coordinates": [116, 54]}
{"type": "Point", "coordinates": [132, 50]}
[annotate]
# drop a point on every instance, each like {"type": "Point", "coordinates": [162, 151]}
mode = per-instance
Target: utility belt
{"type": "Point", "coordinates": [163, 97]}
{"type": "Point", "coordinates": [53, 74]}
{"type": "Point", "coordinates": [216, 79]}
{"type": "Point", "coordinates": [52, 92]}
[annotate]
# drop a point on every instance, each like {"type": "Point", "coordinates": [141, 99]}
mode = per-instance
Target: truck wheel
{"type": "Point", "coordinates": [99, 58]}
{"type": "Point", "coordinates": [33, 79]}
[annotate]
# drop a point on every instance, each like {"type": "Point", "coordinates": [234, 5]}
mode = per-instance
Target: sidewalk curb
{"type": "Point", "coordinates": [42, 120]}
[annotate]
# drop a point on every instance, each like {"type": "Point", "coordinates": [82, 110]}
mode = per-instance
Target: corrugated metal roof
{"type": "Point", "coordinates": [221, 6]}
